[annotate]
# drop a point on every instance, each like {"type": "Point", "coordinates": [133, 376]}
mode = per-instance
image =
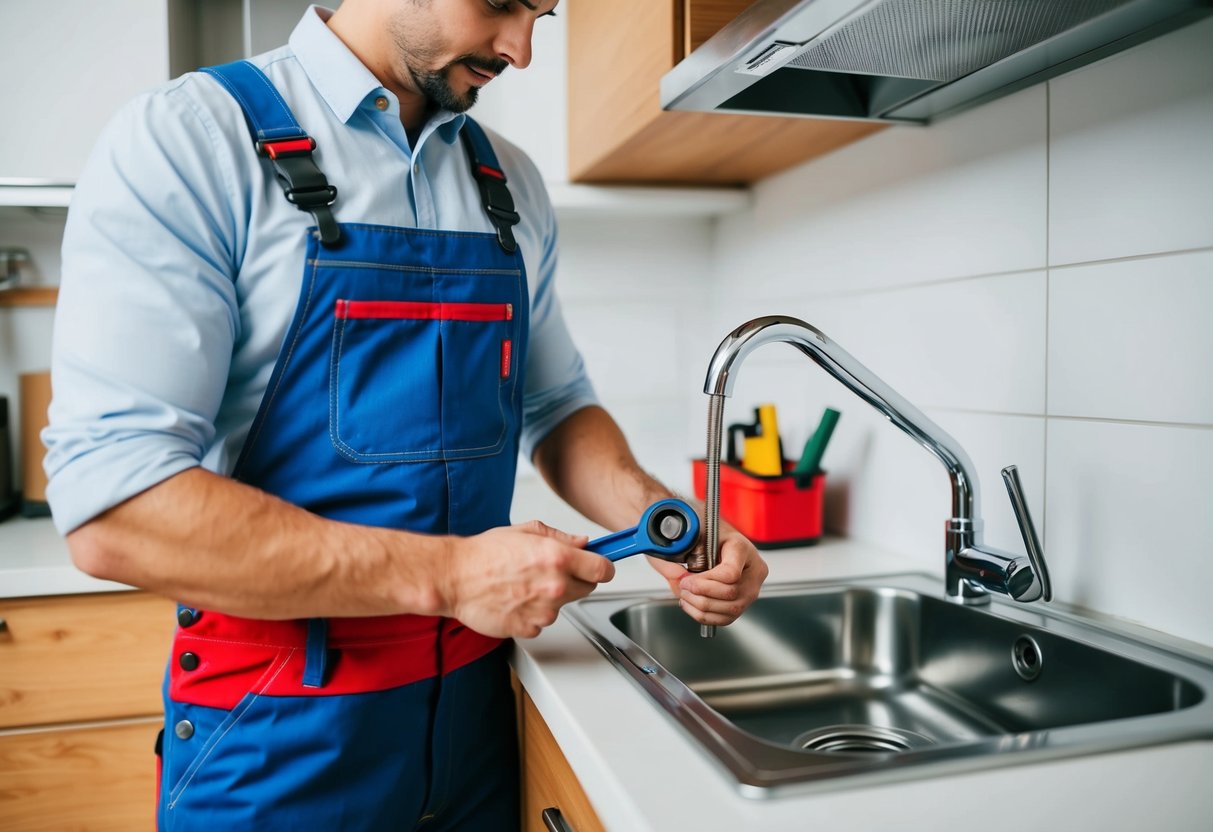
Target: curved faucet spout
{"type": "Point", "coordinates": [860, 380]}
{"type": "Point", "coordinates": [970, 568]}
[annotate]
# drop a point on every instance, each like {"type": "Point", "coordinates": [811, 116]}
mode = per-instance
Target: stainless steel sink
{"type": "Point", "coordinates": [825, 685]}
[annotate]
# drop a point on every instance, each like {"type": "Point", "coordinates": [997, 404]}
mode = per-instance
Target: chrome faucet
{"type": "Point", "coordinates": [972, 570]}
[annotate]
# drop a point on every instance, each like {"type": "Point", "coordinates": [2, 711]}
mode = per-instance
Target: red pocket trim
{"type": "Point", "coordinates": [424, 310]}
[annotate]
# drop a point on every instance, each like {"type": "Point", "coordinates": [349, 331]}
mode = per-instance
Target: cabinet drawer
{"type": "Point", "coordinates": [83, 779]}
{"type": "Point", "coordinates": [549, 780]}
{"type": "Point", "coordinates": [72, 658]}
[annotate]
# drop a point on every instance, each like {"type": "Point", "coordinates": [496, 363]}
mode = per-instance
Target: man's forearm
{"type": "Point", "coordinates": [215, 543]}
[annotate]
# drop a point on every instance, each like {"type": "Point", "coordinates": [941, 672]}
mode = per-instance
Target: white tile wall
{"type": "Point", "coordinates": [1130, 530]}
{"type": "Point", "coordinates": [1133, 339]}
{"type": "Point", "coordinates": [635, 295]}
{"type": "Point", "coordinates": [1130, 170]}
{"type": "Point", "coordinates": [907, 205]}
{"type": "Point", "coordinates": [975, 343]}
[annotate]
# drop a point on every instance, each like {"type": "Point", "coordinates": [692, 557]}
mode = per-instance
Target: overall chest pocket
{"type": "Point", "coordinates": [421, 380]}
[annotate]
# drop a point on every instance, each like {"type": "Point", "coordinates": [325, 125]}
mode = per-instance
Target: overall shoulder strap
{"type": "Point", "coordinates": [490, 178]}
{"type": "Point", "coordinates": [277, 136]}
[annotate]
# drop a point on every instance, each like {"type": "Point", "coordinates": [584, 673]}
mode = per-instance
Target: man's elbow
{"type": "Point", "coordinates": [92, 553]}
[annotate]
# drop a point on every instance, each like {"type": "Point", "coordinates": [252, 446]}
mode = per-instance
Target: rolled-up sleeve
{"type": "Point", "coordinates": [147, 313]}
{"type": "Point", "coordinates": [556, 382]}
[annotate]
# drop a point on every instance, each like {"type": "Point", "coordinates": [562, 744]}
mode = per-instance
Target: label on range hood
{"type": "Point", "coordinates": [769, 59]}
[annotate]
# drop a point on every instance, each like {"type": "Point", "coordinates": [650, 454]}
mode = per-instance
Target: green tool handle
{"type": "Point", "coordinates": [815, 447]}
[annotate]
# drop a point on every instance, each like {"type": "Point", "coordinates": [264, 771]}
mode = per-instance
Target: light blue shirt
{"type": "Point", "coordinates": [182, 262]}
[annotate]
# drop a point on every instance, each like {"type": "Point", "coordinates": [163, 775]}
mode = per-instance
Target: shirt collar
{"type": "Point", "coordinates": [343, 81]}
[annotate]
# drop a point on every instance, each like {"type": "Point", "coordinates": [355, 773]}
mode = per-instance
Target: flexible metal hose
{"type": "Point", "coordinates": [711, 509]}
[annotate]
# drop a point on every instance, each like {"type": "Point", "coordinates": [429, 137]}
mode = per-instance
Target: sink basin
{"type": "Point", "coordinates": [825, 685]}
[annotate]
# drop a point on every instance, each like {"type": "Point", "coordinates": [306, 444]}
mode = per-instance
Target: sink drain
{"type": "Point", "coordinates": [1027, 658]}
{"type": "Point", "coordinates": [860, 739]}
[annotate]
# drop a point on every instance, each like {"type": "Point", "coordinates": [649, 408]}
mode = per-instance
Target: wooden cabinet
{"type": "Point", "coordinates": [549, 784]}
{"type": "Point", "coordinates": [618, 52]}
{"type": "Point", "coordinates": [80, 708]}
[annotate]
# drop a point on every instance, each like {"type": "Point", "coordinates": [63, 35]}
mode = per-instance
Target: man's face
{"type": "Point", "coordinates": [449, 49]}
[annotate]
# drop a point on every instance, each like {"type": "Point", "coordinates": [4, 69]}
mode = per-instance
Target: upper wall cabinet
{"type": "Point", "coordinates": [70, 64]}
{"type": "Point", "coordinates": [618, 52]}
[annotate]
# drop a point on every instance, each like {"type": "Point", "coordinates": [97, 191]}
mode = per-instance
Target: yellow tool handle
{"type": "Point", "coordinates": [762, 452]}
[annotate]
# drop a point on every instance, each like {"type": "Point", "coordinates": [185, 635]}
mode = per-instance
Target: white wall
{"type": "Point", "coordinates": [635, 294]}
{"type": "Point", "coordinates": [528, 106]}
{"type": "Point", "coordinates": [1036, 275]}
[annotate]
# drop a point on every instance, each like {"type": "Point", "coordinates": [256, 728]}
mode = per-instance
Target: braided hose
{"type": "Point", "coordinates": [711, 513]}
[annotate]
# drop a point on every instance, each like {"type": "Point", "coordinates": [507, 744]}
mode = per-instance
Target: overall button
{"type": "Point", "coordinates": [188, 661]}
{"type": "Point", "coordinates": [184, 729]}
{"type": "Point", "coordinates": [187, 617]}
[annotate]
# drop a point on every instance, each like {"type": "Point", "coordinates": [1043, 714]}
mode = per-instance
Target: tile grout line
{"type": "Point", "coordinates": [944, 281]}
{"type": "Point", "coordinates": [1044, 479]}
{"type": "Point", "coordinates": [1141, 423]}
{"type": "Point", "coordinates": [1127, 258]}
{"type": "Point", "coordinates": [1099, 420]}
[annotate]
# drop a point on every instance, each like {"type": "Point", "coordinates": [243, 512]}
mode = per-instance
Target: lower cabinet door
{"type": "Point", "coordinates": [78, 658]}
{"type": "Point", "coordinates": [552, 800]}
{"type": "Point", "coordinates": [97, 778]}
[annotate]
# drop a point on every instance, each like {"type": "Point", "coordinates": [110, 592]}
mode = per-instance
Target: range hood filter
{"type": "Point", "coordinates": [942, 40]}
{"type": "Point", "coordinates": [905, 60]}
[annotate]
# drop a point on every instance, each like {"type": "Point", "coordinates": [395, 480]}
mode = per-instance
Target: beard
{"type": "Point", "coordinates": [436, 85]}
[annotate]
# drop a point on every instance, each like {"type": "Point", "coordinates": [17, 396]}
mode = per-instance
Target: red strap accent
{"type": "Point", "coordinates": [488, 171]}
{"type": "Point", "coordinates": [276, 149]}
{"type": "Point", "coordinates": [239, 656]}
{"type": "Point", "coordinates": [424, 310]}
{"type": "Point", "coordinates": [507, 349]}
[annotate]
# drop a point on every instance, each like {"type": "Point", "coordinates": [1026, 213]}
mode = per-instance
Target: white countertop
{"type": "Point", "coordinates": [34, 561]}
{"type": "Point", "coordinates": [643, 773]}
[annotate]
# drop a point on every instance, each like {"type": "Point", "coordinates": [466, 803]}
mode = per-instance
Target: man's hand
{"type": "Point", "coordinates": [721, 594]}
{"type": "Point", "coordinates": [512, 581]}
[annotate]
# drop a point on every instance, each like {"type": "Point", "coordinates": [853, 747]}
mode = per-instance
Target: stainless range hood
{"type": "Point", "coordinates": [904, 60]}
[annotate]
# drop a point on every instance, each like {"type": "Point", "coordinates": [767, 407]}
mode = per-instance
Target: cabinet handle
{"type": "Point", "coordinates": [554, 821]}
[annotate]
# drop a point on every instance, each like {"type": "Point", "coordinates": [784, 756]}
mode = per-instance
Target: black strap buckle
{"type": "Point", "coordinates": [494, 196]}
{"type": "Point", "coordinates": [303, 182]}
{"type": "Point", "coordinates": [499, 205]}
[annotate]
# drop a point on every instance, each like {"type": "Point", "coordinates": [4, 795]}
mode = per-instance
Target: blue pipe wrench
{"type": "Point", "coordinates": [668, 529]}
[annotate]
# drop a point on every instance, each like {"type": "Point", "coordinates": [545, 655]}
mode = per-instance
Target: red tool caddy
{"type": "Point", "coordinates": [774, 512]}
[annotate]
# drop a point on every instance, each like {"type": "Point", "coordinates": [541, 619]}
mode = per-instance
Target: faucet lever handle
{"type": "Point", "coordinates": [1010, 476]}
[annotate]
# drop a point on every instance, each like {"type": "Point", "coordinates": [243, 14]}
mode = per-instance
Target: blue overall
{"type": "Point", "coordinates": [395, 402]}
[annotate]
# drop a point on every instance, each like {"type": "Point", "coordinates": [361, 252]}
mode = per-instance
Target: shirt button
{"type": "Point", "coordinates": [380, 102]}
{"type": "Point", "coordinates": [416, 167]}
{"type": "Point", "coordinates": [189, 661]}
{"type": "Point", "coordinates": [187, 617]}
{"type": "Point", "coordinates": [184, 729]}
